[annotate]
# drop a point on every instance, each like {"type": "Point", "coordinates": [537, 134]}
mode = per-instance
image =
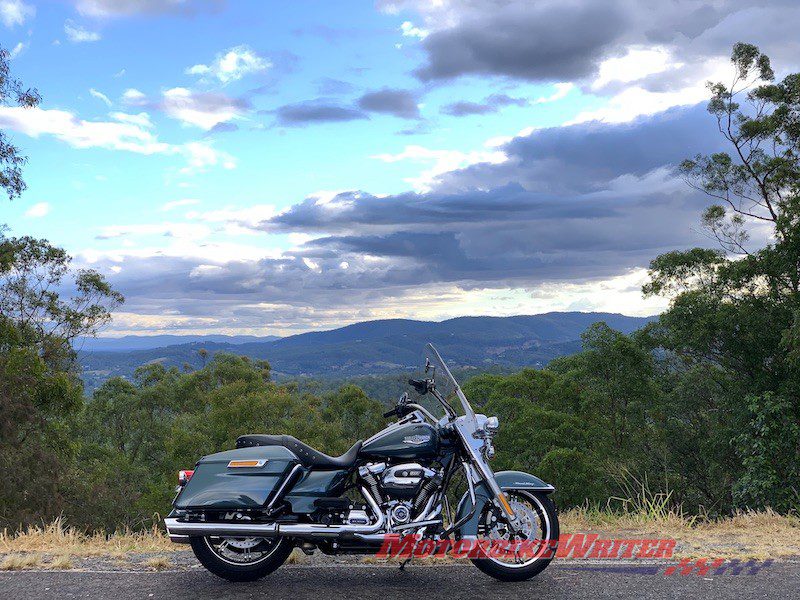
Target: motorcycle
{"type": "Point", "coordinates": [243, 511]}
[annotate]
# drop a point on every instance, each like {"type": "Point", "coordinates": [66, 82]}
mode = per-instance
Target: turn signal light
{"type": "Point", "coordinates": [246, 463]}
{"type": "Point", "coordinates": [185, 476]}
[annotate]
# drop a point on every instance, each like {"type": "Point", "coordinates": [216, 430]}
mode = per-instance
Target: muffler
{"type": "Point", "coordinates": [178, 529]}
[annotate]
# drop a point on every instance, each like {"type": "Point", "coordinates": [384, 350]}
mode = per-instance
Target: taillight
{"type": "Point", "coordinates": [184, 476]}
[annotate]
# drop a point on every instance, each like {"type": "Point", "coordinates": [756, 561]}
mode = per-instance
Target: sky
{"type": "Point", "coordinates": [266, 167]}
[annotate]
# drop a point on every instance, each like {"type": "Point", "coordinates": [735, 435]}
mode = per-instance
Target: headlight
{"type": "Point", "coordinates": [492, 424]}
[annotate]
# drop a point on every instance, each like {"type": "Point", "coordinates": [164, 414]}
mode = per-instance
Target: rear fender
{"type": "Point", "coordinates": [507, 480]}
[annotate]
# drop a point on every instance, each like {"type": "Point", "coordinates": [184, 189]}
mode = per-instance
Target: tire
{"type": "Point", "coordinates": [211, 560]}
{"type": "Point", "coordinates": [546, 511]}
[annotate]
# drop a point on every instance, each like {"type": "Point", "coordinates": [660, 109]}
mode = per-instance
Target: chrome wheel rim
{"type": "Point", "coordinates": [242, 551]}
{"type": "Point", "coordinates": [535, 527]}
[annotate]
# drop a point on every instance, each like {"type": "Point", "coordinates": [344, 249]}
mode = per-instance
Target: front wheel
{"type": "Point", "coordinates": [527, 552]}
{"type": "Point", "coordinates": [241, 559]}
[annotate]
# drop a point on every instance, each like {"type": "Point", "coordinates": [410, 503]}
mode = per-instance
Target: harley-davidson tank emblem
{"type": "Point", "coordinates": [416, 440]}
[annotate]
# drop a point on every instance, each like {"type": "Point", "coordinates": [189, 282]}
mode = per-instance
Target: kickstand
{"type": "Point", "coordinates": [404, 563]}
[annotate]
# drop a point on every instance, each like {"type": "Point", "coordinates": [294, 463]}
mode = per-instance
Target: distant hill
{"type": "Point", "coordinates": [148, 342]}
{"type": "Point", "coordinates": [385, 346]}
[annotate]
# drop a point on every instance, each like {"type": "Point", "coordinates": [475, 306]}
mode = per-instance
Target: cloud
{"type": "Point", "coordinates": [124, 133]}
{"type": "Point", "coordinates": [315, 111]}
{"type": "Point", "coordinates": [126, 8]}
{"type": "Point", "coordinates": [141, 119]}
{"type": "Point", "coordinates": [100, 96]}
{"type": "Point", "coordinates": [18, 49]}
{"type": "Point", "coordinates": [491, 104]}
{"type": "Point", "coordinates": [443, 161]}
{"type": "Point", "coordinates": [410, 30]}
{"type": "Point", "coordinates": [201, 109]}
{"type": "Point", "coordinates": [399, 103]}
{"type": "Point", "coordinates": [582, 41]}
{"type": "Point", "coordinates": [15, 12]}
{"type": "Point", "coordinates": [78, 34]}
{"type": "Point", "coordinates": [38, 210]}
{"type": "Point", "coordinates": [231, 65]}
{"type": "Point", "coordinates": [167, 206]}
{"type": "Point", "coordinates": [540, 42]}
{"type": "Point", "coordinates": [134, 97]}
{"type": "Point", "coordinates": [569, 218]}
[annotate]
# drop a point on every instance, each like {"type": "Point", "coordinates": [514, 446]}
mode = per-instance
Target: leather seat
{"type": "Point", "coordinates": [308, 456]}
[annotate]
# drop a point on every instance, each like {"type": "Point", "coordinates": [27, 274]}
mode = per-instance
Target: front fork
{"type": "Point", "coordinates": [480, 470]}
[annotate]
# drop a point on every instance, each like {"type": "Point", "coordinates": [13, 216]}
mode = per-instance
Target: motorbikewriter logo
{"type": "Point", "coordinates": [577, 545]}
{"type": "Point", "coordinates": [571, 546]}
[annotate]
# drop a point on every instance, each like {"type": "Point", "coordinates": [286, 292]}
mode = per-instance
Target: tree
{"type": "Point", "coordinates": [734, 316]}
{"type": "Point", "coordinates": [40, 391]}
{"type": "Point", "coordinates": [12, 92]}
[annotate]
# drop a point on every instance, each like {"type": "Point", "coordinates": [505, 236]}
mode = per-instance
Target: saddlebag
{"type": "Point", "coordinates": [237, 479]}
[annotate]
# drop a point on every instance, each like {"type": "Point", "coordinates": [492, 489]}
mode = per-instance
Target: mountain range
{"type": "Point", "coordinates": [366, 348]}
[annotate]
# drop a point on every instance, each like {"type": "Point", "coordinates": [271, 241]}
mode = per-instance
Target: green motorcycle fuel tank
{"type": "Point", "coordinates": [409, 441]}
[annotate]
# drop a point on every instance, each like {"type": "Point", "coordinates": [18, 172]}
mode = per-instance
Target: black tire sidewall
{"type": "Point", "coordinates": [238, 573]}
{"type": "Point", "coordinates": [502, 573]}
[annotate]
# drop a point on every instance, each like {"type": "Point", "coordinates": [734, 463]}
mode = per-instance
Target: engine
{"type": "Point", "coordinates": [402, 490]}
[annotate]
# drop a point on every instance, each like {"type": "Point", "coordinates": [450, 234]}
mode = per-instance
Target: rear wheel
{"type": "Point", "coordinates": [527, 552]}
{"type": "Point", "coordinates": [241, 559]}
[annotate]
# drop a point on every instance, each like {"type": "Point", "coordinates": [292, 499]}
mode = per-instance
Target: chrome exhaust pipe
{"type": "Point", "coordinates": [177, 528]}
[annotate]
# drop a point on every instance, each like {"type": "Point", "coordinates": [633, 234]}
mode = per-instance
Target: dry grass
{"type": "Point", "coordinates": [158, 563]}
{"type": "Point", "coordinates": [297, 557]}
{"type": "Point", "coordinates": [58, 538]}
{"type": "Point", "coordinates": [60, 563]}
{"type": "Point", "coordinates": [761, 535]}
{"type": "Point", "coordinates": [16, 562]}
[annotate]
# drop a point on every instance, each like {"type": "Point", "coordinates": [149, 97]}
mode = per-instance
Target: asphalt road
{"type": "Point", "coordinates": [564, 580]}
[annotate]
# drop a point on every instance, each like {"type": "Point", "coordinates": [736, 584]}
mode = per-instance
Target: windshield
{"type": "Point", "coordinates": [444, 372]}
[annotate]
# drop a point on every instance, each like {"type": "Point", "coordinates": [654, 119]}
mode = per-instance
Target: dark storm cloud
{"type": "Point", "coordinates": [400, 103]}
{"type": "Point", "coordinates": [553, 40]}
{"type": "Point", "coordinates": [304, 113]}
{"type": "Point", "coordinates": [491, 104]}
{"type": "Point", "coordinates": [539, 41]}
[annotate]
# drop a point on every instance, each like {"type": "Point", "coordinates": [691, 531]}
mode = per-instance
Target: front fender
{"type": "Point", "coordinates": [507, 480]}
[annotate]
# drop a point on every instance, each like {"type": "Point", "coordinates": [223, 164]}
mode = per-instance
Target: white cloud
{"type": "Point", "coordinates": [141, 119]}
{"type": "Point", "coordinates": [200, 110]}
{"type": "Point", "coordinates": [38, 210]}
{"type": "Point", "coordinates": [410, 30]}
{"type": "Point", "coordinates": [443, 162]}
{"type": "Point", "coordinates": [231, 65]}
{"type": "Point", "coordinates": [79, 133]}
{"type": "Point", "coordinates": [167, 206]}
{"type": "Point", "coordinates": [119, 73]}
{"type": "Point", "coordinates": [133, 97]}
{"type": "Point", "coordinates": [18, 49]}
{"type": "Point", "coordinates": [100, 96]}
{"type": "Point", "coordinates": [78, 34]}
{"type": "Point", "coordinates": [562, 89]}
{"type": "Point", "coordinates": [15, 12]}
{"type": "Point", "coordinates": [249, 217]}
{"type": "Point", "coordinates": [201, 156]}
{"type": "Point", "coordinates": [112, 135]}
{"type": "Point", "coordinates": [637, 63]}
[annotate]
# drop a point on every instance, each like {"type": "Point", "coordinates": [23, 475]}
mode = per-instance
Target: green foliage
{"type": "Point", "coordinates": [769, 449]}
{"type": "Point", "coordinates": [12, 92]}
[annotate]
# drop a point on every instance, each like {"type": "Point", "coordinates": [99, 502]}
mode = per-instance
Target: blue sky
{"type": "Point", "coordinates": [175, 137]}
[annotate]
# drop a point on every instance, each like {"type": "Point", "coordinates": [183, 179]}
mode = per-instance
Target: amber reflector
{"type": "Point", "coordinates": [246, 463]}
